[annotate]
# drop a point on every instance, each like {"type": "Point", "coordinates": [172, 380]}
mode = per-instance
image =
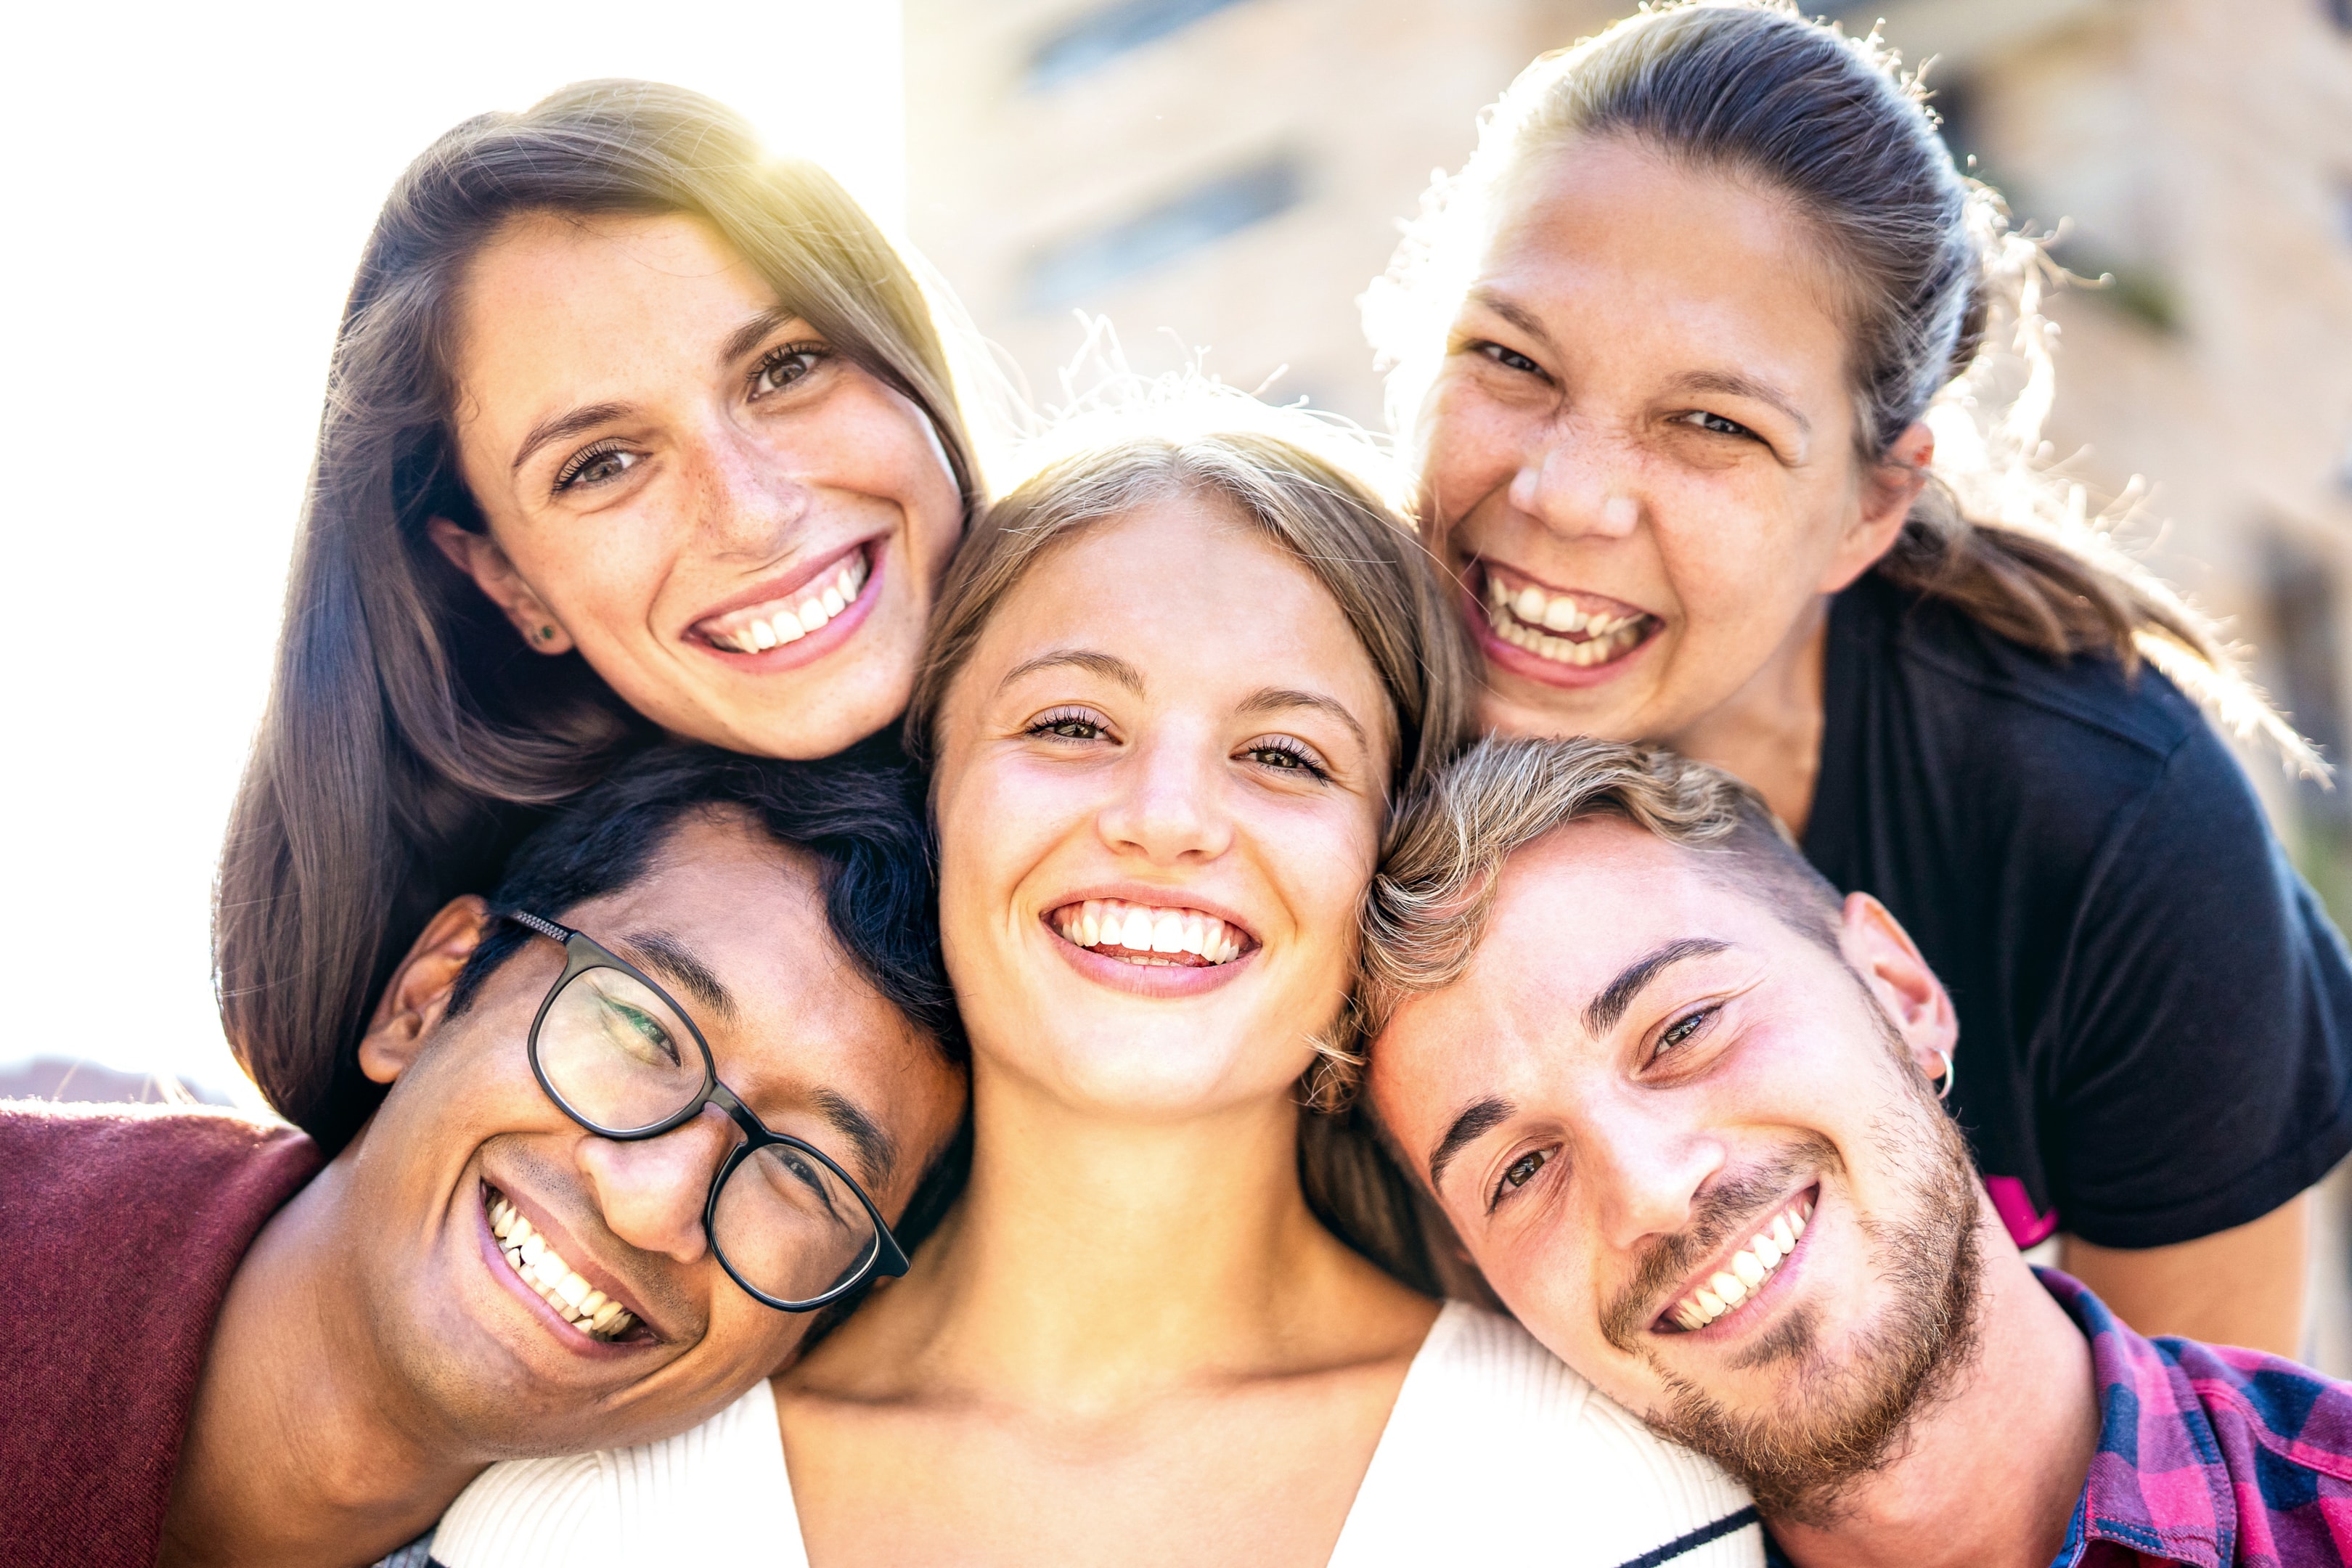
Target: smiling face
{"type": "Point", "coordinates": [466, 1152]}
{"type": "Point", "coordinates": [1687, 1144]}
{"type": "Point", "coordinates": [738, 529]}
{"type": "Point", "coordinates": [1640, 447]}
{"type": "Point", "coordinates": [1161, 786]}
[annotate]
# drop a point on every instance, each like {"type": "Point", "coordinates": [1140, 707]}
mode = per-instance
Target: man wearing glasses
{"type": "Point", "coordinates": [649, 1108]}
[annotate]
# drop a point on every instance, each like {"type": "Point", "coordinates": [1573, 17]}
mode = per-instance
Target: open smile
{"type": "Point", "coordinates": [1158, 935]}
{"type": "Point", "coordinates": [593, 1313]}
{"type": "Point", "coordinates": [834, 598]}
{"type": "Point", "coordinates": [1569, 637]}
{"type": "Point", "coordinates": [1721, 1289]}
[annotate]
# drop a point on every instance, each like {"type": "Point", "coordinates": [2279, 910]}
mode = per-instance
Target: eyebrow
{"type": "Point", "coordinates": [1476, 1120]}
{"type": "Point", "coordinates": [746, 338]}
{"type": "Point", "coordinates": [1519, 315]}
{"type": "Point", "coordinates": [562, 426]}
{"type": "Point", "coordinates": [674, 961]}
{"type": "Point", "coordinates": [1277, 699]}
{"type": "Point", "coordinates": [1731, 383]}
{"type": "Point", "coordinates": [1111, 666]}
{"type": "Point", "coordinates": [1601, 1013]}
{"type": "Point", "coordinates": [877, 1151]}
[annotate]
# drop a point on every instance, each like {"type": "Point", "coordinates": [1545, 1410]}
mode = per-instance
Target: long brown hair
{"type": "Point", "coordinates": [409, 740]}
{"type": "Point", "coordinates": [1933, 276]}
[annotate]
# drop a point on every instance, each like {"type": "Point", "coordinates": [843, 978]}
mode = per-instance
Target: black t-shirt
{"type": "Point", "coordinates": [2154, 1009]}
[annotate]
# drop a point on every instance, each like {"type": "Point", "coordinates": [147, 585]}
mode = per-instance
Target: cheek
{"type": "Point", "coordinates": [1470, 448]}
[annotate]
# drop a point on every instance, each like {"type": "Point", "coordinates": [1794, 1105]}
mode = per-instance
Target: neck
{"type": "Point", "coordinates": [302, 1446]}
{"type": "Point", "coordinates": [1096, 1263]}
{"type": "Point", "coordinates": [1989, 1474]}
{"type": "Point", "coordinates": [1768, 733]}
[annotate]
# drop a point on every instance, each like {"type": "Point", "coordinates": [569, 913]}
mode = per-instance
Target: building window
{"type": "Point", "coordinates": [1069, 272]}
{"type": "Point", "coordinates": [1108, 32]}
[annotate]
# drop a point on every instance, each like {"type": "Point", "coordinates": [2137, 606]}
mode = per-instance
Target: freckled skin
{"type": "Point", "coordinates": [721, 473]}
{"type": "Point", "coordinates": [1602, 452]}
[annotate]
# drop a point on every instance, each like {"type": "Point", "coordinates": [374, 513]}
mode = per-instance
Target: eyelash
{"type": "Point", "coordinates": [1302, 760]}
{"type": "Point", "coordinates": [776, 356]}
{"type": "Point", "coordinates": [1506, 1189]}
{"type": "Point", "coordinates": [580, 461]}
{"type": "Point", "coordinates": [1690, 1025]}
{"type": "Point", "coordinates": [1042, 728]}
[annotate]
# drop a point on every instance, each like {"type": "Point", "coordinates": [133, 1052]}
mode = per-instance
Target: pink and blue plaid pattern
{"type": "Point", "coordinates": [2209, 1455]}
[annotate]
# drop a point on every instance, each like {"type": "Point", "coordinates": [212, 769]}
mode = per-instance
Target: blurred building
{"type": "Point", "coordinates": [1227, 176]}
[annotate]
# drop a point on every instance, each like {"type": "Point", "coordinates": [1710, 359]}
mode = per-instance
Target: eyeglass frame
{"type": "Point", "coordinates": [583, 953]}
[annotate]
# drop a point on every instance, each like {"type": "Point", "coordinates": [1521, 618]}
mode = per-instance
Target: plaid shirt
{"type": "Point", "coordinates": [2209, 1455]}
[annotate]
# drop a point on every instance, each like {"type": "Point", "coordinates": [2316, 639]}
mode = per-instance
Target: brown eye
{"type": "Point", "coordinates": [1682, 1029]}
{"type": "Point", "coordinates": [1522, 1170]}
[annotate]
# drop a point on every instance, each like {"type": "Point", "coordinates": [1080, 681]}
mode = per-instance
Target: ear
{"type": "Point", "coordinates": [480, 557]}
{"type": "Point", "coordinates": [418, 993]}
{"type": "Point", "coordinates": [1890, 965]}
{"type": "Point", "coordinates": [1889, 487]}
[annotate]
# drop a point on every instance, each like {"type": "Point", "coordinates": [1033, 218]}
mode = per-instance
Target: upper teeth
{"type": "Point", "coordinates": [580, 1304]}
{"type": "Point", "coordinates": [1146, 930]}
{"type": "Point", "coordinates": [1528, 616]}
{"type": "Point", "coordinates": [764, 625]}
{"type": "Point", "coordinates": [1746, 1271]}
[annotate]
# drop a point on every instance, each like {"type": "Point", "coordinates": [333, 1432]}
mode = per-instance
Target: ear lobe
{"type": "Point", "coordinates": [482, 558]}
{"type": "Point", "coordinates": [1889, 487]}
{"type": "Point", "coordinates": [417, 996]}
{"type": "Point", "coordinates": [1899, 979]}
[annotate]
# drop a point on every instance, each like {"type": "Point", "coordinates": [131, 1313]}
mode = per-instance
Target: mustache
{"type": "Point", "coordinates": [1728, 1205]}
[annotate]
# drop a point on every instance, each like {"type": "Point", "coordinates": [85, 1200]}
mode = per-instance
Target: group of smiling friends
{"type": "Point", "coordinates": [836, 1018]}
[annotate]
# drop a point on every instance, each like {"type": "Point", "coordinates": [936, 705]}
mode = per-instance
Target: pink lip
{"type": "Point", "coordinates": [1148, 979]}
{"type": "Point", "coordinates": [495, 1260]}
{"type": "Point", "coordinates": [1519, 661]}
{"type": "Point", "coordinates": [818, 643]}
{"type": "Point", "coordinates": [1756, 1308]}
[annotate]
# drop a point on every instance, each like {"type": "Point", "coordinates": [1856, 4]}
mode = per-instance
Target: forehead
{"type": "Point", "coordinates": [1610, 225]}
{"type": "Point", "coordinates": [556, 295]}
{"type": "Point", "coordinates": [1572, 911]}
{"type": "Point", "coordinates": [752, 912]}
{"type": "Point", "coordinates": [1185, 585]}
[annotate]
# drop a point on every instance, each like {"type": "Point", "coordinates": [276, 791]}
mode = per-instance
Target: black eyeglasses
{"type": "Point", "coordinates": [612, 1049]}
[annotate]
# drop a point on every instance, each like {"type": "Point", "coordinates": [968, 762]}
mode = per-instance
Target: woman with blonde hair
{"type": "Point", "coordinates": [1176, 679]}
{"type": "Point", "coordinates": [1687, 355]}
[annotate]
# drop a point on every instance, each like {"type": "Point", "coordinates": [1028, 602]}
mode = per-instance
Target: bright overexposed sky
{"type": "Point", "coordinates": [189, 190]}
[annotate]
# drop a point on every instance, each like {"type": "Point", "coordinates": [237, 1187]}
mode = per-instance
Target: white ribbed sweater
{"type": "Point", "coordinates": [1495, 1453]}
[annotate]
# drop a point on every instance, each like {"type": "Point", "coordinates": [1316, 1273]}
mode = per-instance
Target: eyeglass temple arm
{"type": "Point", "coordinates": [544, 928]}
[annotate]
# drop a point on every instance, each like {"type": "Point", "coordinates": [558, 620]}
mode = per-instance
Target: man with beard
{"type": "Point", "coordinates": [1680, 1103]}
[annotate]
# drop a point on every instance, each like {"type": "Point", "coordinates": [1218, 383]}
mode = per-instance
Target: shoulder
{"type": "Point", "coordinates": [679, 1497]}
{"type": "Point", "coordinates": [195, 1147]}
{"type": "Point", "coordinates": [1487, 1414]}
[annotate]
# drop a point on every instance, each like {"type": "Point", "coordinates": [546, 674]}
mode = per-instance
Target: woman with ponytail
{"type": "Point", "coordinates": [1701, 358]}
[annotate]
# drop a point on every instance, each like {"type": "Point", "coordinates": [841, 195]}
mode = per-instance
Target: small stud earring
{"type": "Point", "coordinates": [547, 634]}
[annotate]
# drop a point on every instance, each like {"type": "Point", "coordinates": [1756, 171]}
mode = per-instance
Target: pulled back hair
{"type": "Point", "coordinates": [409, 741]}
{"type": "Point", "coordinates": [1931, 277]}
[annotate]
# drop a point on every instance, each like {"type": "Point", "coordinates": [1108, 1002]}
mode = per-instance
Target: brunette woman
{"type": "Point", "coordinates": [1666, 351]}
{"type": "Point", "coordinates": [632, 431]}
{"type": "Point", "coordinates": [1174, 682]}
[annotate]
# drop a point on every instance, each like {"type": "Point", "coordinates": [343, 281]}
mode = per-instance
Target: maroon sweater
{"type": "Point", "coordinates": [120, 1229]}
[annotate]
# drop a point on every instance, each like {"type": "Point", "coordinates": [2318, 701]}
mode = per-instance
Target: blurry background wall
{"type": "Point", "coordinates": [1227, 174]}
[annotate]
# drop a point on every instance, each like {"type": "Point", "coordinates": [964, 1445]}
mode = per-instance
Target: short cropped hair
{"type": "Point", "coordinates": [858, 816]}
{"type": "Point", "coordinates": [1435, 891]}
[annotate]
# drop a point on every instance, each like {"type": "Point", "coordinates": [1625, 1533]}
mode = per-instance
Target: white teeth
{"type": "Point", "coordinates": [1148, 933]}
{"type": "Point", "coordinates": [756, 633]}
{"type": "Point", "coordinates": [1531, 619]}
{"type": "Point", "coordinates": [555, 1282]}
{"type": "Point", "coordinates": [1745, 1274]}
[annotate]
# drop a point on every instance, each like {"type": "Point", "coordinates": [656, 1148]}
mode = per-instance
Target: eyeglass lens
{"type": "Point", "coordinates": [623, 1060]}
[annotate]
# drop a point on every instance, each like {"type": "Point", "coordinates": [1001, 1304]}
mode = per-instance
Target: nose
{"type": "Point", "coordinates": [748, 501]}
{"type": "Point", "coordinates": [1577, 484]}
{"type": "Point", "coordinates": [1167, 808]}
{"type": "Point", "coordinates": [1650, 1167]}
{"type": "Point", "coordinates": [651, 1193]}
